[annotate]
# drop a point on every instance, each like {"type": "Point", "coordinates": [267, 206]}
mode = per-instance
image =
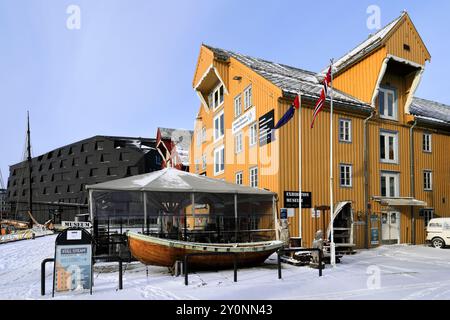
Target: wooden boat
{"type": "Point", "coordinates": [164, 252]}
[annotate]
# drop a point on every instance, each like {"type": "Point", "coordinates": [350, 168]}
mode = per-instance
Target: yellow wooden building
{"type": "Point", "coordinates": [391, 149]}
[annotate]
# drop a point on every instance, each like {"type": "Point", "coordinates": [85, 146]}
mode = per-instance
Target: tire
{"type": "Point", "coordinates": [438, 243]}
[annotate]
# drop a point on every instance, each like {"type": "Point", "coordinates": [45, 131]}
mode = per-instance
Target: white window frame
{"type": "Point", "coordinates": [216, 151]}
{"type": "Point", "coordinates": [346, 169]}
{"type": "Point", "coordinates": [253, 134]}
{"type": "Point", "coordinates": [199, 138]}
{"type": "Point", "coordinates": [426, 142]}
{"type": "Point", "coordinates": [427, 180]}
{"type": "Point", "coordinates": [238, 143]}
{"type": "Point", "coordinates": [203, 161]}
{"type": "Point", "coordinates": [239, 178]}
{"type": "Point", "coordinates": [238, 106]}
{"type": "Point", "coordinates": [248, 97]}
{"type": "Point", "coordinates": [345, 130]}
{"type": "Point", "coordinates": [428, 214]}
{"type": "Point", "coordinates": [254, 177]}
{"type": "Point", "coordinates": [387, 135]}
{"type": "Point", "coordinates": [218, 136]}
{"type": "Point", "coordinates": [387, 175]}
{"type": "Point", "coordinates": [203, 134]}
{"type": "Point", "coordinates": [385, 92]}
{"type": "Point", "coordinates": [197, 165]}
{"type": "Point", "coordinates": [212, 95]}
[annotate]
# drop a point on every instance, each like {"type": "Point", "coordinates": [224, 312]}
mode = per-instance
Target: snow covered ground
{"type": "Point", "coordinates": [405, 272]}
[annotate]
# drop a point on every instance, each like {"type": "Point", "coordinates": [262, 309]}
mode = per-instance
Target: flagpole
{"type": "Point", "coordinates": [332, 244]}
{"type": "Point", "coordinates": [300, 168]}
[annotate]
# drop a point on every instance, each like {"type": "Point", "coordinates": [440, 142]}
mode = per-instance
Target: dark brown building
{"type": "Point", "coordinates": [59, 177]}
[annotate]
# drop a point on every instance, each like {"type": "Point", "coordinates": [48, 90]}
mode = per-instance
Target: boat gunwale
{"type": "Point", "coordinates": [215, 247]}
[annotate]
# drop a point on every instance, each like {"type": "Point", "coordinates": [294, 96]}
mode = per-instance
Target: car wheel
{"type": "Point", "coordinates": [438, 243]}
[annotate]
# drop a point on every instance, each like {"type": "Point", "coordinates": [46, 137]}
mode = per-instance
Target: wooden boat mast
{"type": "Point", "coordinates": [30, 192]}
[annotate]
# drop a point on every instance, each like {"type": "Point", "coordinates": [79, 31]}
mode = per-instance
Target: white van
{"type": "Point", "coordinates": [438, 232]}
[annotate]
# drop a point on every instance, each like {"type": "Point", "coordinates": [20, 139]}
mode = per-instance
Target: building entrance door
{"type": "Point", "coordinates": [390, 227]}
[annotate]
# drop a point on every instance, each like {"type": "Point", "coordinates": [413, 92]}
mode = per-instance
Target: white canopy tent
{"type": "Point", "coordinates": [175, 192]}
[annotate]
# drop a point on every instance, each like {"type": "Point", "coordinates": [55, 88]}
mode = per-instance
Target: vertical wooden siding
{"type": "Point", "coordinates": [366, 72]}
{"type": "Point", "coordinates": [407, 34]}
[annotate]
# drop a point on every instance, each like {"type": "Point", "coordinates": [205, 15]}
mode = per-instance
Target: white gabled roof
{"type": "Point", "coordinates": [366, 46]}
{"type": "Point", "coordinates": [174, 180]}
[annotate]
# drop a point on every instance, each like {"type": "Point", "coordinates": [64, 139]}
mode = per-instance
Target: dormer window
{"type": "Point", "coordinates": [387, 100]}
{"type": "Point", "coordinates": [216, 97]}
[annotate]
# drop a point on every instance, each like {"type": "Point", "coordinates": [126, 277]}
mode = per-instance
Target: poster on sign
{"type": "Point", "coordinates": [73, 261]}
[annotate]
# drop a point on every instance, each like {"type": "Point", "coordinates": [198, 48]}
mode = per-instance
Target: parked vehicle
{"type": "Point", "coordinates": [438, 232]}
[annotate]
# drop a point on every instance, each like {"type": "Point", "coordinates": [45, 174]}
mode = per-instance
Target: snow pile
{"type": "Point", "coordinates": [389, 272]}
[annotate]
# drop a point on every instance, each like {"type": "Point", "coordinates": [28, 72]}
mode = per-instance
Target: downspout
{"type": "Point", "coordinates": [366, 179]}
{"type": "Point", "coordinates": [412, 180]}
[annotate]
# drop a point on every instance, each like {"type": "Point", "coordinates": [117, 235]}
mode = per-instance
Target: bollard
{"type": "Point", "coordinates": [43, 263]}
{"type": "Point", "coordinates": [279, 264]}
{"type": "Point", "coordinates": [185, 267]}
{"type": "Point", "coordinates": [120, 274]}
{"type": "Point", "coordinates": [235, 267]}
{"type": "Point", "coordinates": [320, 262]}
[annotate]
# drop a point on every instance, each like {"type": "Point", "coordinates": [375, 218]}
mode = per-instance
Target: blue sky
{"type": "Point", "coordinates": [129, 68]}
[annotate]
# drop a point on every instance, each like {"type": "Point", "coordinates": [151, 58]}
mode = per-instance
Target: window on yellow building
{"type": "Point", "coordinates": [237, 106]}
{"type": "Point", "coordinates": [254, 177]}
{"type": "Point", "coordinates": [203, 134]}
{"type": "Point", "coordinates": [248, 97]}
{"type": "Point", "coordinates": [345, 173]}
{"type": "Point", "coordinates": [215, 98]}
{"type": "Point", "coordinates": [427, 180]}
{"type": "Point", "coordinates": [204, 161]}
{"type": "Point", "coordinates": [345, 130]}
{"type": "Point", "coordinates": [387, 100]}
{"type": "Point", "coordinates": [219, 126]}
{"type": "Point", "coordinates": [388, 147]}
{"type": "Point", "coordinates": [219, 160]}
{"type": "Point", "coordinates": [239, 177]}
{"type": "Point", "coordinates": [199, 137]}
{"type": "Point", "coordinates": [426, 142]}
{"type": "Point", "coordinates": [253, 134]}
{"type": "Point", "coordinates": [238, 143]}
{"type": "Point", "coordinates": [389, 184]}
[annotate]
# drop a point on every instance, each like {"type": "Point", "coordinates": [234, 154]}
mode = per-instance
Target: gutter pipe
{"type": "Point", "coordinates": [366, 179]}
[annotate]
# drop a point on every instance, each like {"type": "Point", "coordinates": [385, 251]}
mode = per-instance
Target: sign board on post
{"type": "Point", "coordinates": [291, 199]}
{"type": "Point", "coordinates": [374, 230]}
{"type": "Point", "coordinates": [291, 212]}
{"type": "Point", "coordinates": [283, 213]}
{"type": "Point", "coordinates": [77, 224]}
{"type": "Point", "coordinates": [73, 261]}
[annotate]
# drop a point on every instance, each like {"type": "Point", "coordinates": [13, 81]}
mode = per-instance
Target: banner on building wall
{"type": "Point", "coordinates": [291, 199]}
{"type": "Point", "coordinates": [243, 121]}
{"type": "Point", "coordinates": [266, 125]}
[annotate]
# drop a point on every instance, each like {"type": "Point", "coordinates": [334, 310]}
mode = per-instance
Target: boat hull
{"type": "Point", "coordinates": [163, 252]}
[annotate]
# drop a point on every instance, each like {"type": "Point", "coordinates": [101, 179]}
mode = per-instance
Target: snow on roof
{"type": "Point", "coordinates": [173, 180]}
{"type": "Point", "coordinates": [430, 110]}
{"type": "Point", "coordinates": [366, 46]}
{"type": "Point", "coordinates": [290, 79]}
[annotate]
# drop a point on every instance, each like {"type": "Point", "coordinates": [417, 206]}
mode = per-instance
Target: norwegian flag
{"type": "Point", "coordinates": [323, 95]}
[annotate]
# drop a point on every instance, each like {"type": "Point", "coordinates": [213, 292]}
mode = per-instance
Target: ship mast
{"type": "Point", "coordinates": [30, 193]}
